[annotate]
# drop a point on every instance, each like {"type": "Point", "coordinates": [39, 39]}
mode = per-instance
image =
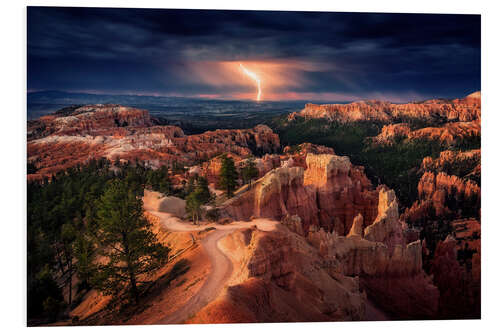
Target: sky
{"type": "Point", "coordinates": [317, 56]}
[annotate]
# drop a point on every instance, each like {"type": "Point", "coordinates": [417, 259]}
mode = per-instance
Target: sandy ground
{"type": "Point", "coordinates": [173, 223]}
{"type": "Point", "coordinates": [221, 266]}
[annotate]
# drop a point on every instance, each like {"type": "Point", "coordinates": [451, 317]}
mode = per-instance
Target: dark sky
{"type": "Point", "coordinates": [297, 55]}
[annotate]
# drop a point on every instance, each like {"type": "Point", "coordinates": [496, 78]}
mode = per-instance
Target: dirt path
{"type": "Point", "coordinates": [221, 266]}
{"type": "Point", "coordinates": [221, 270]}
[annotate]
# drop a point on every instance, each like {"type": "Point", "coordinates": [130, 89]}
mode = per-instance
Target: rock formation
{"type": "Point", "coordinates": [461, 164]}
{"type": "Point", "coordinates": [460, 288]}
{"type": "Point", "coordinates": [88, 119]}
{"type": "Point", "coordinates": [284, 276]}
{"type": "Point", "coordinates": [465, 110]}
{"type": "Point", "coordinates": [380, 255]}
{"type": "Point", "coordinates": [211, 169]}
{"type": "Point", "coordinates": [279, 277]}
{"type": "Point", "coordinates": [57, 142]}
{"type": "Point", "coordinates": [449, 133]}
{"type": "Point", "coordinates": [329, 193]}
{"type": "Point", "coordinates": [158, 202]}
{"type": "Point", "coordinates": [444, 194]}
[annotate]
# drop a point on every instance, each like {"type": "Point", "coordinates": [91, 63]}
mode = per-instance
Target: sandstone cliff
{"type": "Point", "coordinates": [88, 119]}
{"type": "Point", "coordinates": [126, 133]}
{"type": "Point", "coordinates": [329, 193]}
{"type": "Point", "coordinates": [466, 109]}
{"type": "Point", "coordinates": [441, 195]}
{"type": "Point", "coordinates": [389, 266]}
{"type": "Point", "coordinates": [459, 283]}
{"type": "Point", "coordinates": [323, 276]}
{"type": "Point", "coordinates": [463, 164]}
{"type": "Point", "coordinates": [279, 277]}
{"type": "Point", "coordinates": [449, 133]}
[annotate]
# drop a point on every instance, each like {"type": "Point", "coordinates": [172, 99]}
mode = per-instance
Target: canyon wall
{"type": "Point", "coordinates": [465, 110]}
{"type": "Point", "coordinates": [329, 193]}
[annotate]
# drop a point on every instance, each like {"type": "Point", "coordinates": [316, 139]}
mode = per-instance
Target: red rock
{"type": "Point", "coordinates": [465, 110]}
{"type": "Point", "coordinates": [390, 269]}
{"type": "Point", "coordinates": [433, 189]}
{"type": "Point", "coordinates": [95, 132]}
{"type": "Point", "coordinates": [448, 133]}
{"type": "Point", "coordinates": [90, 118]}
{"type": "Point", "coordinates": [459, 293]}
{"type": "Point", "coordinates": [329, 193]}
{"type": "Point", "coordinates": [449, 158]}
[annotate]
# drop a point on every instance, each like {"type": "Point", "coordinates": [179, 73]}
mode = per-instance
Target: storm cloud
{"type": "Point", "coordinates": [302, 54]}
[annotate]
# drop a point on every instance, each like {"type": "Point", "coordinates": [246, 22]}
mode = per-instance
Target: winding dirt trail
{"type": "Point", "coordinates": [221, 266]}
{"type": "Point", "coordinates": [220, 272]}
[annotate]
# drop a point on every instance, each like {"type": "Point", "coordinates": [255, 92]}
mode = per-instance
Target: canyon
{"type": "Point", "coordinates": [315, 236]}
{"type": "Point", "coordinates": [60, 141]}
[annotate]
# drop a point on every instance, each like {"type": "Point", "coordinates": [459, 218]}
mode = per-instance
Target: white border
{"type": "Point", "coordinates": [13, 143]}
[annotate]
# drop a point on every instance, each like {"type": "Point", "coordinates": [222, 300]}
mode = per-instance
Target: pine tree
{"type": "Point", "coordinates": [249, 171]}
{"type": "Point", "coordinates": [228, 175]}
{"type": "Point", "coordinates": [84, 250]}
{"type": "Point", "coordinates": [126, 241]}
{"type": "Point", "coordinates": [202, 188]}
{"type": "Point", "coordinates": [193, 205]}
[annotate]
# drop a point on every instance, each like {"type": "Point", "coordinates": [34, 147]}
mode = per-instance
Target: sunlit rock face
{"type": "Point", "coordinates": [88, 119]}
{"type": "Point", "coordinates": [75, 136]}
{"type": "Point", "coordinates": [465, 110]}
{"type": "Point", "coordinates": [437, 191]}
{"type": "Point", "coordinates": [329, 193]}
{"type": "Point", "coordinates": [449, 133]}
{"type": "Point", "coordinates": [294, 273]}
{"type": "Point", "coordinates": [388, 264]}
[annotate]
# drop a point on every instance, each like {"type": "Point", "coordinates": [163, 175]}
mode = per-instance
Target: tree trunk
{"type": "Point", "coordinates": [70, 285]}
{"type": "Point", "coordinates": [133, 288]}
{"type": "Point", "coordinates": [133, 280]}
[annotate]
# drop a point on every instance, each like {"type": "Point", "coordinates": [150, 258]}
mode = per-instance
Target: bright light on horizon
{"type": "Point", "coordinates": [254, 77]}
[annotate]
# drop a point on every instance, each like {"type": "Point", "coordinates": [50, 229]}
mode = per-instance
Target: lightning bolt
{"type": "Point", "coordinates": [254, 77]}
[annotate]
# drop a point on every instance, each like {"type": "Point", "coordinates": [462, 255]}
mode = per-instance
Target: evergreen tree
{"type": "Point", "coordinates": [249, 171]}
{"type": "Point", "coordinates": [68, 235]}
{"type": "Point", "coordinates": [84, 250]}
{"type": "Point", "coordinates": [204, 191]}
{"type": "Point", "coordinates": [126, 241]}
{"type": "Point", "coordinates": [228, 175]}
{"type": "Point", "coordinates": [193, 205]}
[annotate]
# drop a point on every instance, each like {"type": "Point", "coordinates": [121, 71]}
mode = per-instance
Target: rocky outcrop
{"type": "Point", "coordinates": [329, 193]}
{"type": "Point", "coordinates": [382, 258]}
{"type": "Point", "coordinates": [158, 202]}
{"type": "Point", "coordinates": [449, 133]}
{"type": "Point", "coordinates": [357, 228]}
{"type": "Point", "coordinates": [448, 213]}
{"type": "Point", "coordinates": [386, 228]}
{"type": "Point", "coordinates": [465, 110]}
{"type": "Point", "coordinates": [88, 119]}
{"type": "Point", "coordinates": [281, 275]}
{"type": "Point", "coordinates": [299, 153]}
{"type": "Point", "coordinates": [461, 164]}
{"type": "Point", "coordinates": [460, 288]}
{"type": "Point", "coordinates": [341, 190]}
{"type": "Point", "coordinates": [280, 278]}
{"type": "Point", "coordinates": [112, 132]}
{"type": "Point", "coordinates": [379, 249]}
{"type": "Point", "coordinates": [211, 169]}
{"type": "Point", "coordinates": [441, 195]}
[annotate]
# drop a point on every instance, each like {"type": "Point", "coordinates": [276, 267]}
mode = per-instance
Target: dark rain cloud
{"type": "Point", "coordinates": [144, 50]}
